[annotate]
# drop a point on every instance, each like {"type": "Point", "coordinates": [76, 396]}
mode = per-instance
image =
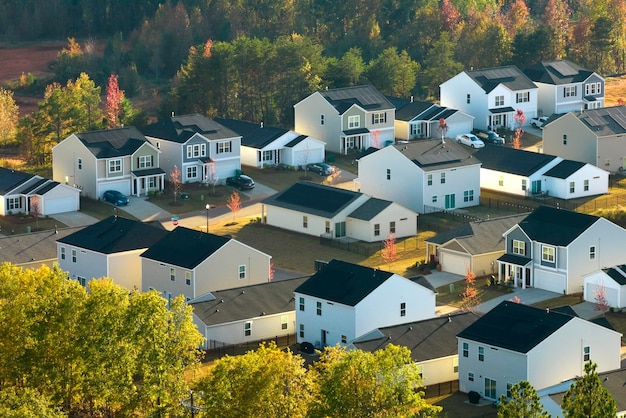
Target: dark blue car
{"type": "Point", "coordinates": [115, 197]}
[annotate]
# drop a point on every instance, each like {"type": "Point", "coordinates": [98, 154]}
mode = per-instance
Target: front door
{"type": "Point", "coordinates": [535, 187]}
{"type": "Point", "coordinates": [340, 229]}
{"type": "Point", "coordinates": [323, 338]}
{"type": "Point", "coordinates": [450, 203]}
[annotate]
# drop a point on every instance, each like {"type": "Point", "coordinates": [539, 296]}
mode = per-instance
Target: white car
{"type": "Point", "coordinates": [470, 140]}
{"type": "Point", "coordinates": [539, 122]}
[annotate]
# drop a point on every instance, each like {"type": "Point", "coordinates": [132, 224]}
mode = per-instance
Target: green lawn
{"type": "Point", "coordinates": [451, 295]}
{"type": "Point", "coordinates": [198, 196]}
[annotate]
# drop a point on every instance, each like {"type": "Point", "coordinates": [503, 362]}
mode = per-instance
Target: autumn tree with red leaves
{"type": "Point", "coordinates": [470, 295]}
{"type": "Point", "coordinates": [599, 296]}
{"type": "Point", "coordinates": [35, 209]}
{"type": "Point", "coordinates": [114, 100]}
{"type": "Point", "coordinates": [520, 119]}
{"type": "Point", "coordinates": [234, 203]}
{"type": "Point", "coordinates": [389, 253]}
{"type": "Point", "coordinates": [175, 182]}
{"type": "Point", "coordinates": [442, 128]}
{"type": "Point", "coordinates": [376, 139]}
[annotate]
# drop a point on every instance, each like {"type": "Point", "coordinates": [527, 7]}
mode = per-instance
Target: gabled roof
{"type": "Point", "coordinates": [428, 339]}
{"type": "Point", "coordinates": [509, 76]}
{"type": "Point", "coordinates": [606, 121]}
{"type": "Point", "coordinates": [515, 326]}
{"type": "Point", "coordinates": [557, 227]}
{"type": "Point", "coordinates": [36, 246]}
{"type": "Point", "coordinates": [425, 111]}
{"type": "Point", "coordinates": [181, 128]}
{"type": "Point", "coordinates": [185, 247]}
{"type": "Point", "coordinates": [480, 237]}
{"type": "Point", "coordinates": [366, 97]}
{"type": "Point", "coordinates": [431, 154]}
{"type": "Point", "coordinates": [313, 198]}
{"type": "Point", "coordinates": [246, 302]}
{"type": "Point", "coordinates": [252, 134]}
{"type": "Point", "coordinates": [112, 143]}
{"type": "Point", "coordinates": [296, 141]}
{"type": "Point", "coordinates": [617, 273]}
{"type": "Point", "coordinates": [115, 235]}
{"type": "Point", "coordinates": [557, 72]}
{"type": "Point", "coordinates": [511, 160]}
{"type": "Point", "coordinates": [10, 179]}
{"type": "Point", "coordinates": [564, 169]}
{"type": "Point", "coordinates": [343, 282]}
{"type": "Point", "coordinates": [370, 209]}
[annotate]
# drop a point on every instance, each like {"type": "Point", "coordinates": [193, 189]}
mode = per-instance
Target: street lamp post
{"type": "Point", "coordinates": [207, 207]}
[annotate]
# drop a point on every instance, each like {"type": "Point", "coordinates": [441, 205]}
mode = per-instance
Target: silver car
{"type": "Point", "coordinates": [470, 140]}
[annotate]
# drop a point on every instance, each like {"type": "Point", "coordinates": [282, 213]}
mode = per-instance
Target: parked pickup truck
{"type": "Point", "coordinates": [240, 182]}
{"type": "Point", "coordinates": [538, 122]}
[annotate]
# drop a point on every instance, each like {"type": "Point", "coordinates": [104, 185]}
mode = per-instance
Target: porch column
{"type": "Point", "coordinates": [523, 277]}
{"type": "Point", "coordinates": [499, 272]}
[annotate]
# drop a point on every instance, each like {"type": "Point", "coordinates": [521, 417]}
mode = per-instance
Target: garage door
{"type": "Point", "coordinates": [122, 186]}
{"type": "Point", "coordinates": [549, 281]}
{"type": "Point", "coordinates": [454, 263]}
{"type": "Point", "coordinates": [458, 128]}
{"type": "Point", "coordinates": [60, 205]}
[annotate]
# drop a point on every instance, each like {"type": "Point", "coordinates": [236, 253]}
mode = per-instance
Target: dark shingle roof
{"type": "Point", "coordinates": [557, 72]}
{"type": "Point", "coordinates": [112, 143]}
{"type": "Point", "coordinates": [511, 160]}
{"type": "Point", "coordinates": [181, 128]}
{"type": "Point", "coordinates": [515, 326]}
{"type": "Point", "coordinates": [412, 109]}
{"type": "Point", "coordinates": [431, 154]}
{"type": "Point", "coordinates": [614, 382]}
{"type": "Point", "coordinates": [366, 97]}
{"type": "Point", "coordinates": [370, 209]}
{"type": "Point", "coordinates": [510, 76]}
{"type": "Point", "coordinates": [252, 134]}
{"type": "Point", "coordinates": [115, 235]}
{"type": "Point", "coordinates": [10, 179]}
{"type": "Point", "coordinates": [556, 226]}
{"type": "Point", "coordinates": [617, 273]}
{"type": "Point", "coordinates": [36, 246]}
{"type": "Point", "coordinates": [606, 121]}
{"type": "Point", "coordinates": [296, 141]}
{"type": "Point", "coordinates": [343, 282]}
{"type": "Point", "coordinates": [313, 198]}
{"type": "Point", "coordinates": [564, 169]}
{"type": "Point", "coordinates": [185, 247]}
{"type": "Point", "coordinates": [247, 302]}
{"type": "Point", "coordinates": [427, 340]}
{"type": "Point", "coordinates": [407, 110]}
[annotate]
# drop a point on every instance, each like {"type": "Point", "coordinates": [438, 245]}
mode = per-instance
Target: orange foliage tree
{"type": "Point", "coordinates": [470, 295]}
{"type": "Point", "coordinates": [234, 203]}
{"type": "Point", "coordinates": [389, 253]}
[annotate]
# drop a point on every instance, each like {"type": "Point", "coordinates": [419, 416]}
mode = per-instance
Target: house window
{"type": "Point", "coordinates": [501, 181]}
{"type": "Point", "coordinates": [344, 339]}
{"type": "Point", "coordinates": [434, 199]}
{"type": "Point", "coordinates": [519, 247]}
{"type": "Point", "coordinates": [62, 253]}
{"type": "Point", "coordinates": [469, 98]}
{"type": "Point", "coordinates": [81, 280]}
{"type": "Point", "coordinates": [283, 322]}
{"type": "Point", "coordinates": [305, 221]}
{"type": "Point", "coordinates": [189, 151]}
{"type": "Point", "coordinates": [389, 174]}
{"type": "Point", "coordinates": [586, 185]}
{"type": "Point", "coordinates": [223, 146]}
{"type": "Point", "coordinates": [14, 203]}
{"type": "Point", "coordinates": [242, 272]}
{"type": "Point", "coordinates": [319, 308]}
{"type": "Point", "coordinates": [547, 254]}
{"type": "Point", "coordinates": [592, 105]}
{"type": "Point", "coordinates": [592, 88]}
{"type": "Point", "coordinates": [73, 256]}
{"type": "Point", "coordinates": [327, 227]}
{"type": "Point", "coordinates": [572, 187]}
{"type": "Point", "coordinates": [354, 122]}
{"type": "Point", "coordinates": [592, 252]}
{"type": "Point", "coordinates": [430, 179]}
{"type": "Point", "coordinates": [499, 101]}
{"type": "Point", "coordinates": [302, 304]}
{"type": "Point", "coordinates": [586, 353]}
{"type": "Point", "coordinates": [564, 139]}
{"type": "Point", "coordinates": [115, 166]}
{"type": "Point", "coordinates": [481, 353]}
{"type": "Point", "coordinates": [268, 155]}
{"type": "Point", "coordinates": [509, 386]}
{"type": "Point", "coordinates": [490, 388]}
{"type": "Point", "coordinates": [470, 376]}
{"type": "Point", "coordinates": [350, 142]}
{"type": "Point", "coordinates": [301, 330]}
{"type": "Point", "coordinates": [465, 349]}
{"type": "Point", "coordinates": [569, 91]}
{"type": "Point", "coordinates": [524, 185]}
{"type": "Point", "coordinates": [192, 172]}
{"type": "Point", "coordinates": [152, 182]}
{"type": "Point", "coordinates": [455, 365]}
{"type": "Point", "coordinates": [188, 278]}
{"type": "Point", "coordinates": [379, 118]}
{"type": "Point", "coordinates": [376, 230]}
{"type": "Point", "coordinates": [172, 274]}
{"type": "Point", "coordinates": [403, 309]}
{"type": "Point", "coordinates": [443, 178]}
{"type": "Point", "coordinates": [145, 161]}
{"type": "Point", "coordinates": [392, 227]}
{"type": "Point", "coordinates": [321, 119]}
{"type": "Point", "coordinates": [523, 97]}
{"type": "Point", "coordinates": [468, 196]}
{"type": "Point", "coordinates": [79, 163]}
{"type": "Point", "coordinates": [247, 328]}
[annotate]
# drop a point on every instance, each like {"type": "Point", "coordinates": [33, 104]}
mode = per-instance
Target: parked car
{"type": "Point", "coordinates": [538, 122]}
{"type": "Point", "coordinates": [470, 140]}
{"type": "Point", "coordinates": [322, 169]}
{"type": "Point", "coordinates": [241, 182]}
{"type": "Point", "coordinates": [488, 136]}
{"type": "Point", "coordinates": [115, 197]}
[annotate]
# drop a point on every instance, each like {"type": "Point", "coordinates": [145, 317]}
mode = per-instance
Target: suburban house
{"type": "Point", "coordinates": [199, 147]}
{"type": "Point", "coordinates": [565, 87]}
{"type": "Point", "coordinates": [491, 95]}
{"type": "Point", "coordinates": [474, 246]}
{"type": "Point", "coordinates": [247, 314]}
{"type": "Point", "coordinates": [526, 173]}
{"type": "Point", "coordinates": [115, 159]}
{"type": "Point", "coordinates": [433, 346]}
{"type": "Point", "coordinates": [420, 120]}
{"type": "Point", "coordinates": [610, 282]}
{"type": "Point", "coordinates": [331, 212]}
{"type": "Point", "coordinates": [192, 263]}
{"type": "Point", "coordinates": [109, 248]}
{"type": "Point", "coordinates": [31, 251]}
{"type": "Point", "coordinates": [26, 193]}
{"type": "Point", "coordinates": [514, 342]}
{"type": "Point", "coordinates": [424, 176]}
{"type": "Point", "coordinates": [592, 136]}
{"type": "Point", "coordinates": [264, 146]}
{"type": "Point", "coordinates": [343, 301]}
{"type": "Point", "coordinates": [554, 249]}
{"type": "Point", "coordinates": [346, 119]}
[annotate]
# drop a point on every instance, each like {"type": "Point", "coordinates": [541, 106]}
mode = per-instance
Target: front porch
{"type": "Point", "coordinates": [144, 181]}
{"type": "Point", "coordinates": [355, 140]}
{"type": "Point", "coordinates": [516, 270]}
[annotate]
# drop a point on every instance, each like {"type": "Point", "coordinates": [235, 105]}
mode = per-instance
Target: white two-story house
{"type": "Point", "coordinates": [492, 96]}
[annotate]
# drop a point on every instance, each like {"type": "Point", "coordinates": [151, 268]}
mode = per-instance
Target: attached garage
{"type": "Point", "coordinates": [454, 262]}
{"type": "Point", "coordinates": [553, 282]}
{"type": "Point", "coordinates": [56, 198]}
{"type": "Point", "coordinates": [122, 186]}
{"type": "Point", "coordinates": [612, 281]}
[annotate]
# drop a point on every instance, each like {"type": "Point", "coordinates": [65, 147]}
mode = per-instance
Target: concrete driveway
{"type": "Point", "coordinates": [526, 296]}
{"type": "Point", "coordinates": [75, 219]}
{"type": "Point", "coordinates": [145, 211]}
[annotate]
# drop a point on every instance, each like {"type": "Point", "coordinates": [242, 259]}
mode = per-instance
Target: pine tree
{"type": "Point", "coordinates": [587, 398]}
